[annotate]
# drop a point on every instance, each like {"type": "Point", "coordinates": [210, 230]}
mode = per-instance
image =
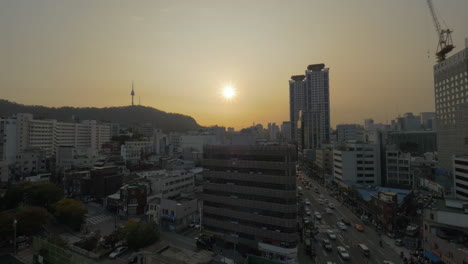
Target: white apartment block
{"type": "Point", "coordinates": [460, 173]}
{"type": "Point", "coordinates": [357, 163]}
{"type": "Point", "coordinates": [196, 142]}
{"type": "Point", "coordinates": [67, 157]}
{"type": "Point", "coordinates": [30, 162]}
{"type": "Point", "coordinates": [398, 167]}
{"type": "Point", "coordinates": [131, 151]}
{"type": "Point", "coordinates": [168, 184]}
{"type": "Point", "coordinates": [50, 134]}
{"type": "Point", "coordinates": [346, 132]}
{"type": "Point", "coordinates": [8, 140]}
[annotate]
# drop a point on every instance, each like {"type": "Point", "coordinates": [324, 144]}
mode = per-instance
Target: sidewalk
{"type": "Point", "coordinates": [391, 243]}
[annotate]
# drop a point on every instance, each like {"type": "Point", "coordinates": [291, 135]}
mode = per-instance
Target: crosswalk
{"type": "Point", "coordinates": [98, 219]}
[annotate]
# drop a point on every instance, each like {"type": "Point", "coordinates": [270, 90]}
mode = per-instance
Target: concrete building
{"type": "Point", "coordinates": [324, 163]}
{"type": "Point", "coordinates": [425, 141]}
{"type": "Point", "coordinates": [445, 230]}
{"type": "Point", "coordinates": [174, 214]}
{"type": "Point", "coordinates": [168, 184]}
{"type": "Point", "coordinates": [273, 131]}
{"type": "Point", "coordinates": [50, 134]}
{"type": "Point", "coordinates": [357, 163]}
{"type": "Point", "coordinates": [428, 120]}
{"type": "Point", "coordinates": [4, 171]}
{"type": "Point", "coordinates": [68, 157]}
{"type": "Point", "coordinates": [451, 103]}
{"type": "Point", "coordinates": [8, 147]}
{"type": "Point", "coordinates": [286, 131]}
{"type": "Point", "coordinates": [131, 151]}
{"type": "Point", "coordinates": [133, 199]}
{"type": "Point", "coordinates": [104, 181]}
{"type": "Point", "coordinates": [249, 199]}
{"type": "Point", "coordinates": [460, 173]}
{"type": "Point", "coordinates": [196, 142]}
{"type": "Point", "coordinates": [74, 184]}
{"type": "Point", "coordinates": [346, 132]}
{"type": "Point", "coordinates": [30, 162]}
{"type": "Point", "coordinates": [296, 101]}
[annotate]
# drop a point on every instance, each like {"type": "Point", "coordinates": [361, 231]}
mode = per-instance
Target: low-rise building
{"type": "Point", "coordinates": [30, 162]}
{"type": "Point", "coordinates": [104, 181]}
{"type": "Point", "coordinates": [169, 183]}
{"type": "Point", "coordinates": [69, 156]}
{"type": "Point", "coordinates": [74, 182]}
{"type": "Point", "coordinates": [175, 213]}
{"type": "Point", "coordinates": [460, 172]}
{"type": "Point", "coordinates": [132, 151]}
{"type": "Point", "coordinates": [357, 163]}
{"type": "Point", "coordinates": [133, 199]}
{"type": "Point", "coordinates": [445, 230]}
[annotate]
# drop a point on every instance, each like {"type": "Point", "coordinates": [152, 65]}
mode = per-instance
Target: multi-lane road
{"type": "Point", "coordinates": [350, 238]}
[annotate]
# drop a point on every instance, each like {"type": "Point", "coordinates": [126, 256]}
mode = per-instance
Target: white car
{"type": "Point", "coordinates": [307, 203]}
{"type": "Point", "coordinates": [331, 205]}
{"type": "Point", "coordinates": [308, 213]}
{"type": "Point", "coordinates": [331, 234]}
{"type": "Point", "coordinates": [117, 252]}
{"type": "Point", "coordinates": [341, 226]}
{"type": "Point", "coordinates": [329, 211]}
{"type": "Point", "coordinates": [343, 253]}
{"type": "Point", "coordinates": [318, 215]}
{"type": "Point", "coordinates": [387, 262]}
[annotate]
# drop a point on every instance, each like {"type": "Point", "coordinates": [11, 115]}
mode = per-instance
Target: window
{"type": "Point", "coordinates": [432, 216]}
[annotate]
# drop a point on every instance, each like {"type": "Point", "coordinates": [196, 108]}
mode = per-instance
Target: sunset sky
{"type": "Point", "coordinates": [180, 54]}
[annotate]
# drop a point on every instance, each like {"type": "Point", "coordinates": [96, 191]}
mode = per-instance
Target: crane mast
{"type": "Point", "coordinates": [445, 44]}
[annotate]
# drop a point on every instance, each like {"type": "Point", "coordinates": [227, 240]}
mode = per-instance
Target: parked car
{"type": "Point", "coordinates": [318, 215]}
{"type": "Point", "coordinates": [342, 252]}
{"type": "Point", "coordinates": [326, 244]}
{"type": "Point", "coordinates": [341, 226]}
{"type": "Point", "coordinates": [345, 221]}
{"type": "Point", "coordinates": [331, 234]}
{"type": "Point", "coordinates": [329, 211]}
{"type": "Point", "coordinates": [331, 205]}
{"type": "Point", "coordinates": [133, 258]}
{"type": "Point", "coordinates": [117, 252]}
{"type": "Point", "coordinates": [359, 227]}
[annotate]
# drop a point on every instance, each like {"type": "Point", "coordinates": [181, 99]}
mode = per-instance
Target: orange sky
{"type": "Point", "coordinates": [181, 53]}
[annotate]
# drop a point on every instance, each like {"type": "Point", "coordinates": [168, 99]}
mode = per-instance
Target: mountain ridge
{"type": "Point", "coordinates": [127, 115]}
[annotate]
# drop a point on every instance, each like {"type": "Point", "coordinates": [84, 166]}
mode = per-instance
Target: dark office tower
{"type": "Point", "coordinates": [309, 107]}
{"type": "Point", "coordinates": [296, 102]}
{"type": "Point", "coordinates": [249, 199]}
{"type": "Point", "coordinates": [451, 103]}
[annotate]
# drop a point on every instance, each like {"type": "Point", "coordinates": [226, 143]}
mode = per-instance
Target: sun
{"type": "Point", "coordinates": [229, 92]}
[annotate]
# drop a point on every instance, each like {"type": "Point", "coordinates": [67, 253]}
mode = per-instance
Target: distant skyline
{"type": "Point", "coordinates": [181, 54]}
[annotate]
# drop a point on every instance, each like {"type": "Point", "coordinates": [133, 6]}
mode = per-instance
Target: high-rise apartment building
{"type": "Point", "coordinates": [460, 172]}
{"type": "Point", "coordinates": [296, 101]}
{"type": "Point", "coordinates": [249, 198]}
{"type": "Point", "coordinates": [357, 163]}
{"type": "Point", "coordinates": [310, 105]}
{"type": "Point", "coordinates": [49, 134]}
{"type": "Point", "coordinates": [451, 103]}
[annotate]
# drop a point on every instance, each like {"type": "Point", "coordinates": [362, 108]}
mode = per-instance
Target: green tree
{"type": "Point", "coordinates": [57, 240]}
{"type": "Point", "coordinates": [139, 235]}
{"type": "Point", "coordinates": [42, 194]}
{"type": "Point", "coordinates": [31, 220]}
{"type": "Point", "coordinates": [113, 238]}
{"type": "Point", "coordinates": [6, 226]}
{"type": "Point", "coordinates": [70, 212]}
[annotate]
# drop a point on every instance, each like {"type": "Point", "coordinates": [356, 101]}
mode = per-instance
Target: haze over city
{"type": "Point", "coordinates": [180, 55]}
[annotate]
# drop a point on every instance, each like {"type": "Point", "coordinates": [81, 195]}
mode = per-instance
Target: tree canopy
{"type": "Point", "coordinates": [70, 212]}
{"type": "Point", "coordinates": [139, 235]}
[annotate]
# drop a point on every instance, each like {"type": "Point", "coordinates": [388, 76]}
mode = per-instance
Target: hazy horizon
{"type": "Point", "coordinates": [181, 54]}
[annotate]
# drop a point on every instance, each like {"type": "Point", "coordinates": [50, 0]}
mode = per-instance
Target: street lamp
{"type": "Point", "coordinates": [14, 227]}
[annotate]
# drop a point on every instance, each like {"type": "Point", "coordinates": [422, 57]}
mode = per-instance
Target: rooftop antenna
{"type": "Point", "coordinates": [132, 93]}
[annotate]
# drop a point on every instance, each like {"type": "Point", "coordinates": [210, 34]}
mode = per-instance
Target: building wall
{"type": "Point", "coordinates": [249, 195]}
{"type": "Point", "coordinates": [8, 140]}
{"type": "Point", "coordinates": [451, 101]}
{"type": "Point", "coordinates": [346, 132]}
{"type": "Point", "coordinates": [460, 173]}
{"type": "Point", "coordinates": [357, 163]}
{"type": "Point", "coordinates": [296, 101]}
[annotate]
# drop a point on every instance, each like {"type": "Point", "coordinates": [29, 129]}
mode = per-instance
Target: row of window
{"type": "Point", "coordinates": [243, 222]}
{"type": "Point", "coordinates": [253, 197]}
{"type": "Point", "coordinates": [255, 211]}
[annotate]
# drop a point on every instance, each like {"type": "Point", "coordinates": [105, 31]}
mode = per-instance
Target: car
{"type": "Point", "coordinates": [326, 244]}
{"type": "Point", "coordinates": [318, 215]}
{"type": "Point", "coordinates": [133, 258]}
{"type": "Point", "coordinates": [307, 203]}
{"type": "Point", "coordinates": [320, 201]}
{"type": "Point", "coordinates": [308, 213]}
{"type": "Point", "coordinates": [331, 234]}
{"type": "Point", "coordinates": [342, 252]}
{"type": "Point", "coordinates": [307, 187]}
{"type": "Point", "coordinates": [341, 226]}
{"type": "Point", "coordinates": [388, 262]}
{"type": "Point", "coordinates": [331, 205]}
{"type": "Point", "coordinates": [345, 221]}
{"type": "Point", "coordinates": [117, 252]}
{"type": "Point", "coordinates": [359, 227]}
{"type": "Point", "coordinates": [329, 211]}
{"type": "Point", "coordinates": [321, 196]}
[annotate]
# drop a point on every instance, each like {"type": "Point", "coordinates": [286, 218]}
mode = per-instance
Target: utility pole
{"type": "Point", "coordinates": [14, 227]}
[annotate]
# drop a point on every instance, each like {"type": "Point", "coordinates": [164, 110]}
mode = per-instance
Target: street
{"type": "Point", "coordinates": [349, 238]}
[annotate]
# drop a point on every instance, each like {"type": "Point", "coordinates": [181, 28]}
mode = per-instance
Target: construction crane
{"type": "Point", "coordinates": [445, 36]}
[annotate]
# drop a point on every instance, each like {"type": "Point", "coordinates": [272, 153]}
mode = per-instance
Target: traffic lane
{"type": "Point", "coordinates": [349, 238]}
{"type": "Point", "coordinates": [368, 237]}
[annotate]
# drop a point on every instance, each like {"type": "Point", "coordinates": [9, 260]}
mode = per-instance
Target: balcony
{"type": "Point", "coordinates": [278, 236]}
{"type": "Point", "coordinates": [251, 217]}
{"type": "Point", "coordinates": [282, 208]}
